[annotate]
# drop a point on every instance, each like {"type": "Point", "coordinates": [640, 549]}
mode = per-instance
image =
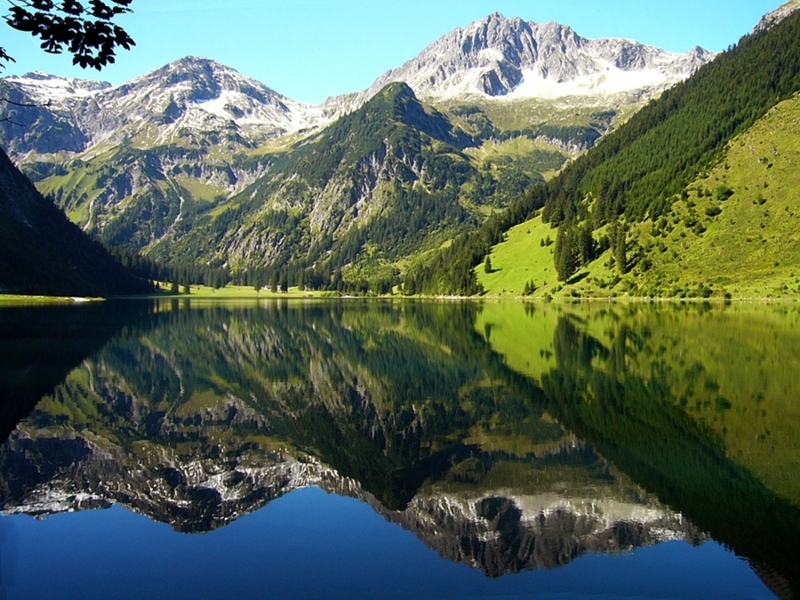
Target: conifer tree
{"type": "Point", "coordinates": [620, 249]}
{"type": "Point", "coordinates": [566, 254]}
{"type": "Point", "coordinates": [586, 243]}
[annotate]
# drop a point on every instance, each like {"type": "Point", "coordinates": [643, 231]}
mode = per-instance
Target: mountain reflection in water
{"type": "Point", "coordinates": [506, 437]}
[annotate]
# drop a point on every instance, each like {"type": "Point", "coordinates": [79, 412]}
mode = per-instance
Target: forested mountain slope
{"type": "Point", "coordinates": [641, 172]}
{"type": "Point", "coordinates": [41, 252]}
{"type": "Point", "coordinates": [379, 184]}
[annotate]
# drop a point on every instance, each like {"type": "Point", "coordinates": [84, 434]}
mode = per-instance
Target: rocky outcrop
{"type": "Point", "coordinates": [500, 57]}
{"type": "Point", "coordinates": [776, 16]}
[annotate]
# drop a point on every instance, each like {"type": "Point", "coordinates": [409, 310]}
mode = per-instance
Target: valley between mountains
{"type": "Point", "coordinates": [196, 172]}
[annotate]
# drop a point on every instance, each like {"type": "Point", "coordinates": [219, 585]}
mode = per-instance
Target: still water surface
{"type": "Point", "coordinates": [395, 450]}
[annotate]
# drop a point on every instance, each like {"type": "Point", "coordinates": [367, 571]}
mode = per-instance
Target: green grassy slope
{"type": "Point", "coordinates": [525, 257]}
{"type": "Point", "coordinates": [655, 177]}
{"type": "Point", "coordinates": [750, 248]}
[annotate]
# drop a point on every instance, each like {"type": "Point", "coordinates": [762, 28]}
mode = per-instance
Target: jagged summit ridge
{"type": "Point", "coordinates": [189, 94]}
{"type": "Point", "coordinates": [496, 57]}
{"type": "Point", "coordinates": [776, 16]}
{"type": "Point", "coordinates": [500, 57]}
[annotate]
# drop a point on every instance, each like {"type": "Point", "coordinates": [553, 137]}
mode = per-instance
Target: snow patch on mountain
{"type": "Point", "coordinates": [610, 80]}
{"type": "Point", "coordinates": [515, 59]}
{"type": "Point", "coordinates": [44, 88]}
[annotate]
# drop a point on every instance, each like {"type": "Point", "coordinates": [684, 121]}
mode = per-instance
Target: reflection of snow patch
{"type": "Point", "coordinates": [53, 501]}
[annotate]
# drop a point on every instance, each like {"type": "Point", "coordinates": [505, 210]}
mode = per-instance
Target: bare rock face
{"type": "Point", "coordinates": [495, 57]}
{"type": "Point", "coordinates": [776, 16]}
{"type": "Point", "coordinates": [511, 57]}
{"type": "Point", "coordinates": [190, 94]}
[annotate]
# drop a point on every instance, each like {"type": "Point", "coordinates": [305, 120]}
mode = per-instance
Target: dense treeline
{"type": "Point", "coordinates": [573, 137]}
{"type": "Point", "coordinates": [275, 278]}
{"type": "Point", "coordinates": [641, 168]}
{"type": "Point", "coordinates": [182, 274]}
{"type": "Point", "coordinates": [450, 271]}
{"type": "Point", "coordinates": [42, 252]}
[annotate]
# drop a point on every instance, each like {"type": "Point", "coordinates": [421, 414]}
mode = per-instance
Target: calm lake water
{"type": "Point", "coordinates": [359, 449]}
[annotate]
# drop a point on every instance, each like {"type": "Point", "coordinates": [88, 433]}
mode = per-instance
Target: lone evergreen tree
{"type": "Point", "coordinates": [620, 249]}
{"type": "Point", "coordinates": [566, 255]}
{"type": "Point", "coordinates": [587, 244]}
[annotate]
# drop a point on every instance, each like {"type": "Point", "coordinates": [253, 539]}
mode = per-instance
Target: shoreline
{"type": "Point", "coordinates": [237, 294]}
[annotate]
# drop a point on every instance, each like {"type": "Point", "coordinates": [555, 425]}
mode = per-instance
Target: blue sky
{"type": "Point", "coordinates": [311, 49]}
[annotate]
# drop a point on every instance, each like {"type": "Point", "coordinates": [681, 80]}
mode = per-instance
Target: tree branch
{"type": "Point", "coordinates": [9, 119]}
{"type": "Point", "coordinates": [22, 104]}
{"type": "Point", "coordinates": [87, 33]}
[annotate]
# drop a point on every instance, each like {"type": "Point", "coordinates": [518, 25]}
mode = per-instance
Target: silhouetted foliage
{"type": "Point", "coordinates": [84, 29]}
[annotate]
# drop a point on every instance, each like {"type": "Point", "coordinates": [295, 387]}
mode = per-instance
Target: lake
{"type": "Point", "coordinates": [399, 449]}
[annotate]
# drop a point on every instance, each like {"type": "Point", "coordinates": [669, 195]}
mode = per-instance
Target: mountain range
{"type": "Point", "coordinates": [196, 164]}
{"type": "Point", "coordinates": [492, 58]}
{"type": "Point", "coordinates": [693, 196]}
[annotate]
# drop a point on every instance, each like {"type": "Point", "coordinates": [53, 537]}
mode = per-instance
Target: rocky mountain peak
{"type": "Point", "coordinates": [202, 79]}
{"type": "Point", "coordinates": [776, 16]}
{"type": "Point", "coordinates": [193, 81]}
{"type": "Point", "coordinates": [502, 57]}
{"type": "Point", "coordinates": [192, 95]}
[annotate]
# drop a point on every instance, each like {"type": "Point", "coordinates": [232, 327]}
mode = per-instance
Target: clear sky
{"type": "Point", "coordinates": [311, 49]}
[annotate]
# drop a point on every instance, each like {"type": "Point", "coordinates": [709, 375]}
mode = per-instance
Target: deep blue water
{"type": "Point", "coordinates": [311, 544]}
